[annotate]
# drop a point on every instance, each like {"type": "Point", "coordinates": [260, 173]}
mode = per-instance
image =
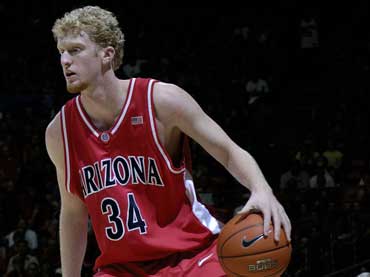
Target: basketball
{"type": "Point", "coordinates": [244, 251]}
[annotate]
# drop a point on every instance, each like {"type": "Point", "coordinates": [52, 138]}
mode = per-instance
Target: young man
{"type": "Point", "coordinates": [119, 152]}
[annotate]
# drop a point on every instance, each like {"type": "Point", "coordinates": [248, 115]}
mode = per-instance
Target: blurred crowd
{"type": "Point", "coordinates": [289, 86]}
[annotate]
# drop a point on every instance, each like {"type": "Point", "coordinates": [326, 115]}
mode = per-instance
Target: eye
{"type": "Point", "coordinates": [75, 51]}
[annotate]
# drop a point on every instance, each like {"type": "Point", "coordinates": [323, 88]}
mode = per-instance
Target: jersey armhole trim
{"type": "Point", "coordinates": [153, 128]}
{"type": "Point", "coordinates": [67, 165]}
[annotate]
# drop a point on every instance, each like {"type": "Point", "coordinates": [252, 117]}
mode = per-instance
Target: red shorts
{"type": "Point", "coordinates": [194, 264]}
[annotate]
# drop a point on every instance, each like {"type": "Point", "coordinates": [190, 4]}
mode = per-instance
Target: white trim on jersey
{"type": "Point", "coordinates": [203, 260]}
{"type": "Point", "coordinates": [66, 152]}
{"type": "Point", "coordinates": [132, 85]}
{"type": "Point", "coordinates": [154, 132]}
{"type": "Point", "coordinates": [84, 118]}
{"type": "Point", "coordinates": [199, 210]}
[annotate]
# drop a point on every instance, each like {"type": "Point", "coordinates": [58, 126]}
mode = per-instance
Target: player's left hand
{"type": "Point", "coordinates": [265, 201]}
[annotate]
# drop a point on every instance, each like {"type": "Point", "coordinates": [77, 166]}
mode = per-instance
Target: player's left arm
{"type": "Point", "coordinates": [175, 108]}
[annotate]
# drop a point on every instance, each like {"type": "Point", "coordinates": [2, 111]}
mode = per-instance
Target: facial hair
{"type": "Point", "coordinates": [76, 87]}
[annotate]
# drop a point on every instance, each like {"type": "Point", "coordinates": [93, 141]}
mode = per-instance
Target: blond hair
{"type": "Point", "coordinates": [101, 26]}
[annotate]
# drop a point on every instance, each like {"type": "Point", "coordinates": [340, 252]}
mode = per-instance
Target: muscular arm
{"type": "Point", "coordinates": [73, 213]}
{"type": "Point", "coordinates": [175, 108]}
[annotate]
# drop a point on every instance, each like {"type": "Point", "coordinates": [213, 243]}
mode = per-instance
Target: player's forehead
{"type": "Point", "coordinates": [73, 39]}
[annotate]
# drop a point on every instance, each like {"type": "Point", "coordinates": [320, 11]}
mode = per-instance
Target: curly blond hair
{"type": "Point", "coordinates": [101, 25]}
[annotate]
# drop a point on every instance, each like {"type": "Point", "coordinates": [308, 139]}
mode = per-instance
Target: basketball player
{"type": "Point", "coordinates": [119, 150]}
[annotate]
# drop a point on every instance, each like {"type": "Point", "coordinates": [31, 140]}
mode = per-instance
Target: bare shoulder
{"type": "Point", "coordinates": [167, 94]}
{"type": "Point", "coordinates": [53, 140]}
{"type": "Point", "coordinates": [171, 102]}
{"type": "Point", "coordinates": [55, 149]}
{"type": "Point", "coordinates": [53, 130]}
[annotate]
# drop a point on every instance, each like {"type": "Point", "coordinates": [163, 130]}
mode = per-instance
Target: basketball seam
{"type": "Point", "coordinates": [223, 258]}
{"type": "Point", "coordinates": [237, 274]}
{"type": "Point", "coordinates": [256, 253]}
{"type": "Point", "coordinates": [278, 272]}
{"type": "Point", "coordinates": [246, 228]}
{"type": "Point", "coordinates": [230, 236]}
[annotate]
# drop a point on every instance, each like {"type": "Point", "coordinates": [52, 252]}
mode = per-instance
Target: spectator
{"type": "Point", "coordinates": [295, 177]}
{"type": "Point", "coordinates": [322, 178]}
{"type": "Point", "coordinates": [256, 87]}
{"type": "Point", "coordinates": [25, 233]}
{"type": "Point", "coordinates": [250, 46]}
{"type": "Point", "coordinates": [32, 270]}
{"type": "Point", "coordinates": [307, 155]}
{"type": "Point", "coordinates": [21, 260]}
{"type": "Point", "coordinates": [333, 155]}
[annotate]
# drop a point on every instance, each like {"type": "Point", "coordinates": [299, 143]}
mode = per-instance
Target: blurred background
{"type": "Point", "coordinates": [287, 81]}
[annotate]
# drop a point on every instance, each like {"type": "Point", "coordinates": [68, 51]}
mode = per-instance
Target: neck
{"type": "Point", "coordinates": [103, 100]}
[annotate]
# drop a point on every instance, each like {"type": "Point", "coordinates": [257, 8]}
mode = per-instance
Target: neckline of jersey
{"type": "Point", "coordinates": [118, 121]}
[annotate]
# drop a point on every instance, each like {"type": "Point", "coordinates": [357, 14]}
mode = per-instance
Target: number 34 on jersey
{"type": "Point", "coordinates": [134, 221]}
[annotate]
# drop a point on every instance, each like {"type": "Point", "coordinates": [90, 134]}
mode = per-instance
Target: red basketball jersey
{"type": "Point", "coordinates": [141, 206]}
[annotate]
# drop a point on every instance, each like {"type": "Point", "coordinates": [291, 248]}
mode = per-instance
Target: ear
{"type": "Point", "coordinates": [108, 55]}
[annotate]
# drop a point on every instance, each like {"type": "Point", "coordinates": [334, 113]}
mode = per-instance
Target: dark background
{"type": "Point", "coordinates": [317, 93]}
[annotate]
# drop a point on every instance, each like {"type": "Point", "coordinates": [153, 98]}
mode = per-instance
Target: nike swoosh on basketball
{"type": "Point", "coordinates": [247, 243]}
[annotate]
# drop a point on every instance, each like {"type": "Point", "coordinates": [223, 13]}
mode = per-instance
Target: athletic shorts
{"type": "Point", "coordinates": [190, 264]}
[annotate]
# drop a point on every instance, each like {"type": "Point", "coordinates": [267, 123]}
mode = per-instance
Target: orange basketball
{"type": "Point", "coordinates": [244, 251]}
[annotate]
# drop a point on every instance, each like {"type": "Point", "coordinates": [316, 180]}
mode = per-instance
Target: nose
{"type": "Point", "coordinates": [65, 59]}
